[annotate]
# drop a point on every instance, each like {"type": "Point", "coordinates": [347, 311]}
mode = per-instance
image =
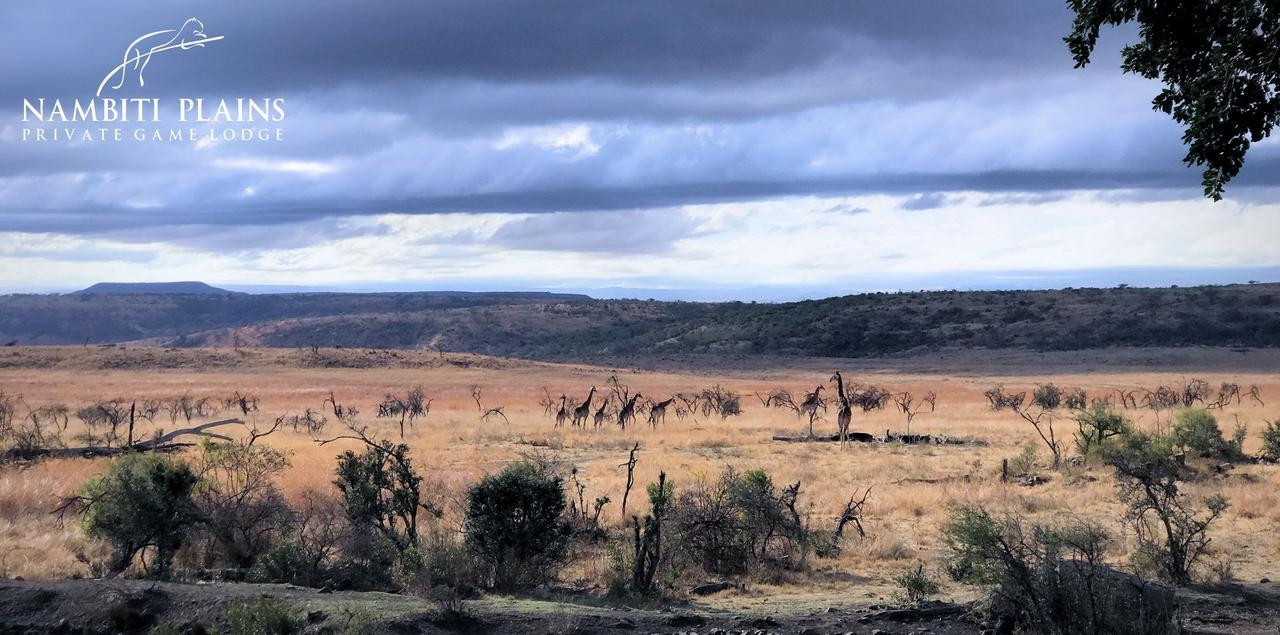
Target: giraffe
{"type": "Point", "coordinates": [581, 413]}
{"type": "Point", "coordinates": [628, 411]}
{"type": "Point", "coordinates": [600, 414]}
{"type": "Point", "coordinates": [562, 414]}
{"type": "Point", "coordinates": [846, 409]}
{"type": "Point", "coordinates": [658, 413]}
{"type": "Point", "coordinates": [812, 402]}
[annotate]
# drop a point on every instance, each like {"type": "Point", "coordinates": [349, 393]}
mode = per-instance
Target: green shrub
{"type": "Point", "coordinates": [1025, 462]}
{"type": "Point", "coordinates": [382, 493]}
{"type": "Point", "coordinates": [515, 525]}
{"type": "Point", "coordinates": [1197, 430]}
{"type": "Point", "coordinates": [141, 501]}
{"type": "Point", "coordinates": [1171, 531]}
{"type": "Point", "coordinates": [740, 523]}
{"type": "Point", "coordinates": [266, 617]}
{"type": "Point", "coordinates": [1271, 441]}
{"type": "Point", "coordinates": [1096, 426]}
{"type": "Point", "coordinates": [1050, 579]}
{"type": "Point", "coordinates": [241, 505]}
{"type": "Point", "coordinates": [916, 586]}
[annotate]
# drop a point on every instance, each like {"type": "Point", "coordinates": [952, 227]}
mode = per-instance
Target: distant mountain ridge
{"type": "Point", "coordinates": [153, 288]}
{"type": "Point", "coordinates": [572, 327]}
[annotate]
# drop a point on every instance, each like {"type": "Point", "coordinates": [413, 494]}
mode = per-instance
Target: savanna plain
{"type": "Point", "coordinates": [909, 488]}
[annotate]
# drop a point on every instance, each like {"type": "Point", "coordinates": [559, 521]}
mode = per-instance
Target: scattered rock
{"type": "Point", "coordinates": [1032, 480]}
{"type": "Point", "coordinates": [1264, 581]}
{"type": "Point", "coordinates": [686, 619]}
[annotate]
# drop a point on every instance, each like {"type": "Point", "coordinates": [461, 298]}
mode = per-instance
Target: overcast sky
{"type": "Point", "coordinates": [708, 149]}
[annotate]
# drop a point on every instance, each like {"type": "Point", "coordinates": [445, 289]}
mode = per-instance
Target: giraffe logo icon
{"type": "Point", "coordinates": [139, 52]}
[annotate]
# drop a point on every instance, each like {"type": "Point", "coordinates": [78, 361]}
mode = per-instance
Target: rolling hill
{"type": "Point", "coordinates": [152, 288]}
{"type": "Point", "coordinates": [575, 327]}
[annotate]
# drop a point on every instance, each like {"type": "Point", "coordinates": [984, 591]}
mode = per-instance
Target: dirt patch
{"type": "Point", "coordinates": [135, 606]}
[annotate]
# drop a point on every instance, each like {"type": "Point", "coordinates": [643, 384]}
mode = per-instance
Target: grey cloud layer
{"type": "Point", "coordinates": [430, 107]}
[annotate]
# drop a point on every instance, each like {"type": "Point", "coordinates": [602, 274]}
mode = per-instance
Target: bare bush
{"type": "Point", "coordinates": [1039, 412]}
{"type": "Point", "coordinates": [406, 408]}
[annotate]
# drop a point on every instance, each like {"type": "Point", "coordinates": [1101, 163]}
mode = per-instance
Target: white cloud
{"type": "Point", "coordinates": [308, 168]}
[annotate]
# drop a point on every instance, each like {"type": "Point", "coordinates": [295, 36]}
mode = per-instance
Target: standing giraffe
{"type": "Point", "coordinates": [658, 413]}
{"type": "Point", "coordinates": [583, 411]}
{"type": "Point", "coordinates": [562, 414]}
{"type": "Point", "coordinates": [846, 409]}
{"type": "Point", "coordinates": [628, 411]}
{"type": "Point", "coordinates": [810, 405]}
{"type": "Point", "coordinates": [600, 414]}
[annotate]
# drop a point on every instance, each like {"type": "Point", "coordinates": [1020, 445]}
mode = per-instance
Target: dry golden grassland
{"type": "Point", "coordinates": [912, 485]}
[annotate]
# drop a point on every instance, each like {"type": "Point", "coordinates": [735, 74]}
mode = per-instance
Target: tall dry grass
{"type": "Point", "coordinates": [912, 485]}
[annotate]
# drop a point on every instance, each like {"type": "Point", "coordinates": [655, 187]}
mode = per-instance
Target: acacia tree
{"type": "Point", "coordinates": [1172, 532]}
{"type": "Point", "coordinates": [407, 408]}
{"type": "Point", "coordinates": [910, 406]}
{"type": "Point", "coordinates": [381, 489]}
{"type": "Point", "coordinates": [1039, 412]}
{"type": "Point", "coordinates": [1218, 62]}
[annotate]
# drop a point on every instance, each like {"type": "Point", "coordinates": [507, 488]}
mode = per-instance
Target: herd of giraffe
{"type": "Point", "coordinates": [631, 407]}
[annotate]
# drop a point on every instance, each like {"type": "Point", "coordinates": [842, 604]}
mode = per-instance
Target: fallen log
{"type": "Point", "coordinates": [860, 437]}
{"type": "Point", "coordinates": [863, 437]}
{"type": "Point", "coordinates": [163, 443]}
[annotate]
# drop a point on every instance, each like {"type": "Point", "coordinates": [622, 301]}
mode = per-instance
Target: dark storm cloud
{"type": "Point", "coordinates": [334, 43]}
{"type": "Point", "coordinates": [471, 106]}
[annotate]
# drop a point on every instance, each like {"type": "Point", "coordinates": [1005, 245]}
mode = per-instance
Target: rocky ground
{"type": "Point", "coordinates": [135, 606]}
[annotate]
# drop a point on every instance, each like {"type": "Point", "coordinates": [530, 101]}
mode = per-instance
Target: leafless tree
{"type": "Point", "coordinates": [548, 404]}
{"type": "Point", "coordinates": [343, 413]}
{"type": "Point", "coordinates": [1227, 393]}
{"type": "Point", "coordinates": [910, 407]}
{"type": "Point", "coordinates": [631, 476]}
{"type": "Point", "coordinates": [407, 407]}
{"type": "Point", "coordinates": [1128, 398]}
{"type": "Point", "coordinates": [852, 514]}
{"type": "Point", "coordinates": [719, 401]}
{"type": "Point", "coordinates": [40, 429]}
{"type": "Point", "coordinates": [779, 398]}
{"type": "Point", "coordinates": [1039, 412]}
{"type": "Point", "coordinates": [246, 403]}
{"type": "Point", "coordinates": [1256, 395]}
{"type": "Point", "coordinates": [104, 419]}
{"type": "Point", "coordinates": [475, 394]}
{"type": "Point", "coordinates": [1195, 391]}
{"type": "Point", "coordinates": [310, 422]}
